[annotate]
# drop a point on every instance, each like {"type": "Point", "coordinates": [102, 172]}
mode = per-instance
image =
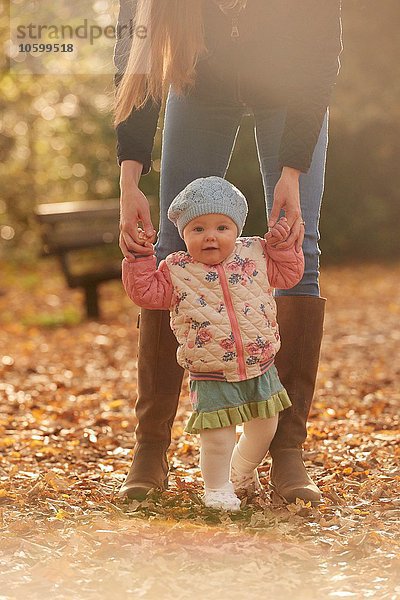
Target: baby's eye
{"type": "Point", "coordinates": [222, 227]}
{"type": "Point", "coordinates": [198, 229]}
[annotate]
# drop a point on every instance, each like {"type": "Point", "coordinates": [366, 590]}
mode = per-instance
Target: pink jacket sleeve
{"type": "Point", "coordinates": [146, 285]}
{"type": "Point", "coordinates": [285, 267]}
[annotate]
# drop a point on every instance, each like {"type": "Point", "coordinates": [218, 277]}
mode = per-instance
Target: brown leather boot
{"type": "Point", "coordinates": [159, 385]}
{"type": "Point", "coordinates": [300, 320]}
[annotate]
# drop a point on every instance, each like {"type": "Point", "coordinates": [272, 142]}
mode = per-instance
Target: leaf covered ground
{"type": "Point", "coordinates": [67, 390]}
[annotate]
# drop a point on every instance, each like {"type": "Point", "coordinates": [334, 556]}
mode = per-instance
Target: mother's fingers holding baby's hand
{"type": "Point", "coordinates": [281, 229]}
{"type": "Point", "coordinates": [136, 242]}
{"type": "Point", "coordinates": [295, 237]}
{"type": "Point", "coordinates": [278, 232]}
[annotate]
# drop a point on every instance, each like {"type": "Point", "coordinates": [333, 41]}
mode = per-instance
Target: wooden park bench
{"type": "Point", "coordinates": [70, 227]}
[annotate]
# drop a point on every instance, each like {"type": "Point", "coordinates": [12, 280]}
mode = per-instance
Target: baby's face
{"type": "Point", "coordinates": [210, 239]}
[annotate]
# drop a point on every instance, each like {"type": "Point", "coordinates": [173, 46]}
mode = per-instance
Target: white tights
{"type": "Point", "coordinates": [218, 450]}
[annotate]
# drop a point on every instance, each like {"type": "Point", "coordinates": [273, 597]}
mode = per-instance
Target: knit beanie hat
{"type": "Point", "coordinates": [208, 195]}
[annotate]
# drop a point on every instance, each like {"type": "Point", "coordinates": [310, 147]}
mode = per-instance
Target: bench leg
{"type": "Point", "coordinates": [92, 302]}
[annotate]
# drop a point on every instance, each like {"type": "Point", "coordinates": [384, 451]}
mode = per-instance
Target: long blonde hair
{"type": "Point", "coordinates": [168, 55]}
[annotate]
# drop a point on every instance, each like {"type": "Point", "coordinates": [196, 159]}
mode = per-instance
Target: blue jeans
{"type": "Point", "coordinates": [198, 141]}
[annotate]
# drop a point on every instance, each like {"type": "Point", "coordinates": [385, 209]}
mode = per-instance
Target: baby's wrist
{"type": "Point", "coordinates": [137, 255]}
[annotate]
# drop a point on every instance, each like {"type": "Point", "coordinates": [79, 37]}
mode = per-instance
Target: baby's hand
{"type": "Point", "coordinates": [278, 233]}
{"type": "Point", "coordinates": [146, 240]}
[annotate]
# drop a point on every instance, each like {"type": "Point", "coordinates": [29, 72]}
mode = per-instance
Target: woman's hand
{"type": "Point", "coordinates": [287, 198]}
{"type": "Point", "coordinates": [134, 210]}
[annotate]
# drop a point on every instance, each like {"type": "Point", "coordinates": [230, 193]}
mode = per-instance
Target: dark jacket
{"type": "Point", "coordinates": [286, 55]}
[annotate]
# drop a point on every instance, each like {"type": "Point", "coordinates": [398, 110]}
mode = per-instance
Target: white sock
{"type": "Point", "coordinates": [253, 444]}
{"type": "Point", "coordinates": [215, 456]}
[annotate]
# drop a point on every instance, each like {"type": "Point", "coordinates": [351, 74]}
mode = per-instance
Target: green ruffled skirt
{"type": "Point", "coordinates": [223, 403]}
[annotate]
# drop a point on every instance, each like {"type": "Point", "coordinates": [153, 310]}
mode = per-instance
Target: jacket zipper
{"type": "Point", "coordinates": [235, 12]}
{"type": "Point", "coordinates": [235, 36]}
{"type": "Point", "coordinates": [235, 27]}
{"type": "Point", "coordinates": [233, 322]}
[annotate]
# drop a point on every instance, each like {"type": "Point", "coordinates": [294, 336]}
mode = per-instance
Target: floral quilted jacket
{"type": "Point", "coordinates": [223, 316]}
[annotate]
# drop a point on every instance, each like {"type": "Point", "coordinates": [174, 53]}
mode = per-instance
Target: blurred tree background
{"type": "Point", "coordinates": [58, 144]}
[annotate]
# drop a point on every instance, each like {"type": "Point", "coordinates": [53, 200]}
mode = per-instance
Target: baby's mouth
{"type": "Point", "coordinates": [210, 248]}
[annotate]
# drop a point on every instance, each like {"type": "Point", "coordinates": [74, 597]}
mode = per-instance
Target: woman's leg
{"type": "Point", "coordinates": [269, 125]}
{"type": "Point", "coordinates": [198, 140]}
{"type": "Point", "coordinates": [300, 312]}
